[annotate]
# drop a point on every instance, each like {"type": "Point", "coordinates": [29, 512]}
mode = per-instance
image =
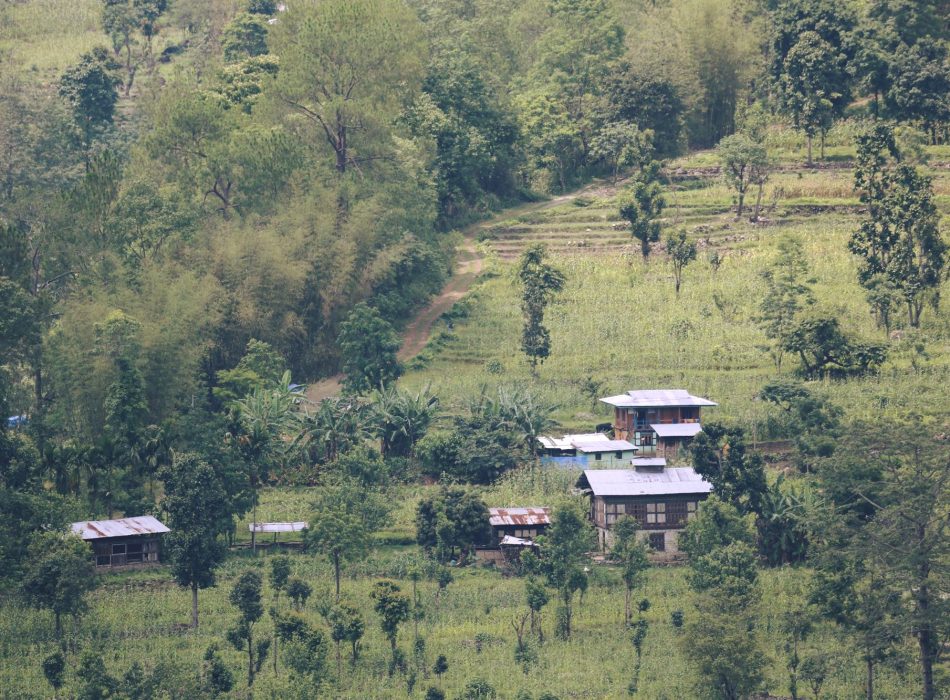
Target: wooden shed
{"type": "Point", "coordinates": [123, 542]}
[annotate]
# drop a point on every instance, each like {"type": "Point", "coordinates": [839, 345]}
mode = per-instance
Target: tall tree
{"type": "Point", "coordinates": [89, 89]}
{"type": "Point", "coordinates": [564, 548]}
{"type": "Point", "coordinates": [246, 597]}
{"type": "Point", "coordinates": [682, 252]}
{"type": "Point", "coordinates": [745, 164]}
{"type": "Point", "coordinates": [788, 292]}
{"type": "Point", "coordinates": [920, 82]}
{"type": "Point", "coordinates": [631, 554]}
{"type": "Point", "coordinates": [392, 606]}
{"type": "Point", "coordinates": [810, 54]}
{"type": "Point", "coordinates": [540, 282]}
{"type": "Point", "coordinates": [59, 575]}
{"type": "Point", "coordinates": [900, 236]}
{"type": "Point", "coordinates": [720, 457]}
{"type": "Point", "coordinates": [198, 512]}
{"type": "Point", "coordinates": [344, 520]}
{"type": "Point", "coordinates": [368, 344]}
{"type": "Point", "coordinates": [642, 206]}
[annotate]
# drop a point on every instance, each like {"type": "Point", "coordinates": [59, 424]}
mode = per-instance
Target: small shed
{"type": "Point", "coordinates": [275, 528]}
{"type": "Point", "coordinates": [123, 542]}
{"type": "Point", "coordinates": [520, 523]}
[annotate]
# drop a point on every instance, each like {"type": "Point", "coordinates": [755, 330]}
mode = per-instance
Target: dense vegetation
{"type": "Point", "coordinates": [204, 203]}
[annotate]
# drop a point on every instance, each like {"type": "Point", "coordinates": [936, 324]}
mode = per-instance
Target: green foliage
{"type": "Point", "coordinates": [298, 591]}
{"type": "Point", "coordinates": [787, 294]}
{"type": "Point", "coordinates": [89, 88]}
{"type": "Point", "coordinates": [54, 668]}
{"type": "Point", "coordinates": [392, 606]}
{"type": "Point", "coordinates": [455, 518]}
{"type": "Point", "coordinates": [245, 36]}
{"type": "Point", "coordinates": [900, 238]}
{"type": "Point", "coordinates": [346, 625]}
{"type": "Point", "coordinates": [825, 350]}
{"type": "Point", "coordinates": [719, 455]}
{"type": "Point", "coordinates": [217, 677]}
{"type": "Point", "coordinates": [246, 597]}
{"type": "Point", "coordinates": [369, 344]}
{"type": "Point", "coordinates": [95, 683]}
{"type": "Point", "coordinates": [643, 205]}
{"type": "Point", "coordinates": [682, 252]}
{"type": "Point", "coordinates": [402, 418]}
{"type": "Point", "coordinates": [564, 548]}
{"type": "Point", "coordinates": [478, 689]}
{"type": "Point", "coordinates": [59, 575]}
{"type": "Point", "coordinates": [631, 554]}
{"type": "Point", "coordinates": [745, 163]}
{"type": "Point", "coordinates": [540, 282]}
{"type": "Point", "coordinates": [652, 102]}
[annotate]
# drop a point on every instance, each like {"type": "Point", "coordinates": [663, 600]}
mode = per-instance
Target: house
{"type": "Point", "coordinates": [518, 523]}
{"type": "Point", "coordinates": [658, 422]}
{"type": "Point", "coordinates": [124, 542]}
{"type": "Point", "coordinates": [662, 499]}
{"type": "Point", "coordinates": [587, 450]}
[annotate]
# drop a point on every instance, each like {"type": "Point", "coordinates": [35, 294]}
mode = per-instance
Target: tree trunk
{"type": "Point", "coordinates": [254, 528]}
{"type": "Point", "coordinates": [869, 684]}
{"type": "Point", "coordinates": [809, 151]}
{"type": "Point", "coordinates": [926, 637]}
{"type": "Point", "coordinates": [822, 141]}
{"type": "Point", "coordinates": [250, 657]}
{"type": "Point", "coordinates": [758, 203]}
{"type": "Point", "coordinates": [626, 607]}
{"type": "Point", "coordinates": [336, 573]}
{"type": "Point", "coordinates": [741, 204]}
{"type": "Point", "coordinates": [58, 624]}
{"type": "Point", "coordinates": [194, 606]}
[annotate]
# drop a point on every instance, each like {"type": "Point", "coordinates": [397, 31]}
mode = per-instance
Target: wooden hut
{"type": "Point", "coordinates": [123, 542]}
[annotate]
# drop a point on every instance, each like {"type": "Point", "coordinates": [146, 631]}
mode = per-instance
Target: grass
{"type": "Point", "coordinates": [139, 616]}
{"type": "Point", "coordinates": [619, 321]}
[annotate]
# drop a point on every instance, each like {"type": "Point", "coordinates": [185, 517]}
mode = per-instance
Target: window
{"type": "Point", "coordinates": [646, 439]}
{"type": "Point", "coordinates": [614, 511]}
{"type": "Point", "coordinates": [691, 510]}
{"type": "Point", "coordinates": [618, 454]}
{"type": "Point", "coordinates": [103, 560]}
{"type": "Point", "coordinates": [134, 552]}
{"type": "Point", "coordinates": [656, 513]}
{"type": "Point", "coordinates": [597, 456]}
{"type": "Point", "coordinates": [657, 541]}
{"type": "Point", "coordinates": [118, 549]}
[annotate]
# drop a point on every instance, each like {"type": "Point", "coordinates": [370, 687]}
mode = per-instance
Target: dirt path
{"type": "Point", "coordinates": [468, 266]}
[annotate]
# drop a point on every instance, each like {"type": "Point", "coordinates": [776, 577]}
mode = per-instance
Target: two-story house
{"type": "Point", "coordinates": [658, 422]}
{"type": "Point", "coordinates": [662, 500]}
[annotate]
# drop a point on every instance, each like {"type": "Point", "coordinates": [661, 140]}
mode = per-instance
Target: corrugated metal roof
{"type": "Point", "coordinates": [648, 462]}
{"type": "Point", "coordinates": [277, 527]}
{"type": "Point", "coordinates": [657, 398]}
{"type": "Point", "coordinates": [125, 527]}
{"type": "Point", "coordinates": [519, 516]}
{"type": "Point", "coordinates": [634, 482]}
{"type": "Point", "coordinates": [568, 442]}
{"type": "Point", "coordinates": [606, 446]}
{"type": "Point", "coordinates": [509, 541]}
{"type": "Point", "coordinates": [676, 429]}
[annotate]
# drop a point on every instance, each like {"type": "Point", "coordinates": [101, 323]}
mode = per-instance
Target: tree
{"type": "Point", "coordinates": [787, 293]}
{"type": "Point", "coordinates": [198, 512]}
{"type": "Point", "coordinates": [826, 350]}
{"type": "Point", "coordinates": [537, 597]}
{"type": "Point", "coordinates": [305, 650]}
{"type": "Point", "coordinates": [919, 77]}
{"type": "Point", "coordinates": [54, 667]}
{"type": "Point", "coordinates": [245, 36]}
{"type": "Point", "coordinates": [719, 456]}
{"type": "Point", "coordinates": [368, 345]}
{"type": "Point", "coordinates": [621, 145]}
{"type": "Point", "coordinates": [745, 163]}
{"type": "Point", "coordinates": [564, 548]}
{"type": "Point", "coordinates": [551, 138]}
{"type": "Point", "coordinates": [440, 666]}
{"type": "Point", "coordinates": [631, 554]}
{"type": "Point", "coordinates": [216, 676]}
{"type": "Point", "coordinates": [298, 591]}
{"type": "Point", "coordinates": [344, 520]}
{"type": "Point", "coordinates": [652, 102]}
{"type": "Point", "coordinates": [59, 575]}
{"type": "Point", "coordinates": [402, 418]}
{"type": "Point", "coordinates": [812, 420]}
{"type": "Point", "coordinates": [95, 682]}
{"type": "Point", "coordinates": [642, 206]}
{"type": "Point", "coordinates": [453, 518]}
{"type": "Point", "coordinates": [392, 606]}
{"type": "Point", "coordinates": [279, 575]}
{"type": "Point", "coordinates": [89, 89]}
{"type": "Point", "coordinates": [246, 597]}
{"type": "Point", "coordinates": [682, 252]}
{"type": "Point", "coordinates": [890, 536]}
{"type": "Point", "coordinates": [340, 60]}
{"type": "Point", "coordinates": [810, 55]}
{"type": "Point", "coordinates": [540, 282]}
{"type": "Point", "coordinates": [346, 625]}
{"type": "Point", "coordinates": [900, 238]}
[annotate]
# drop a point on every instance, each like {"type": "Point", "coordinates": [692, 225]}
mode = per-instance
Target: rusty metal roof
{"type": "Point", "coordinates": [519, 516]}
{"type": "Point", "coordinates": [657, 398]}
{"type": "Point", "coordinates": [277, 527]}
{"type": "Point", "coordinates": [637, 482]}
{"type": "Point", "coordinates": [124, 527]}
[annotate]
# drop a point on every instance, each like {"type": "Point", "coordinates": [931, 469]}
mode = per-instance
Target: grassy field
{"type": "Point", "coordinates": [620, 322]}
{"type": "Point", "coordinates": [142, 615]}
